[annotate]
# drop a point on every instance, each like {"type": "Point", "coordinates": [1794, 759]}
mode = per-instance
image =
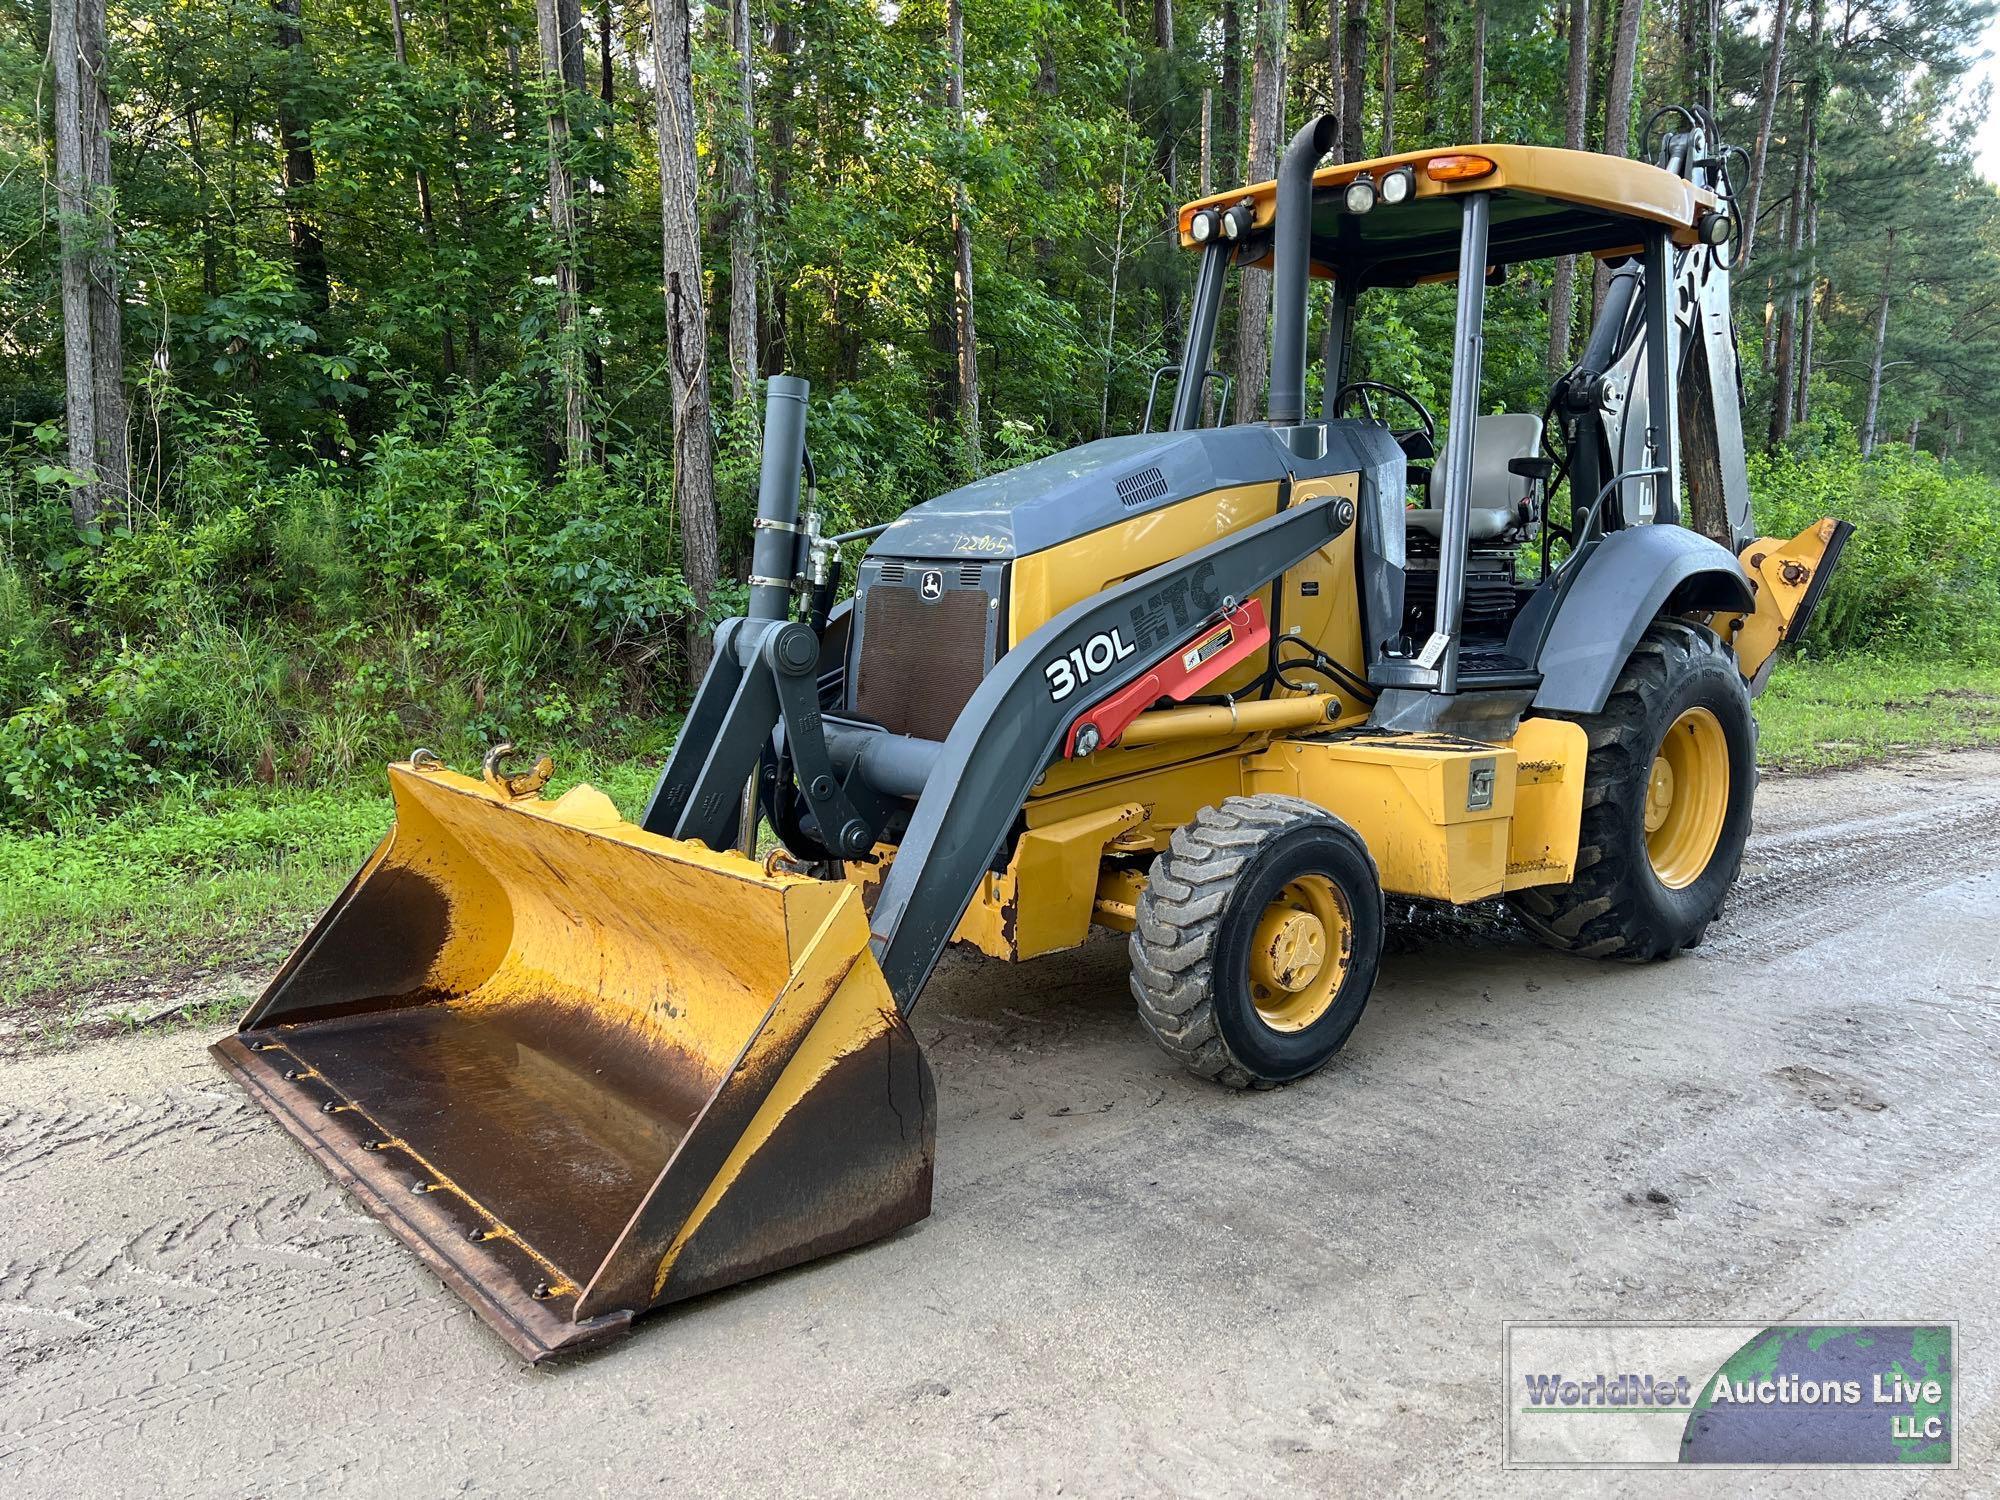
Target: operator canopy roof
{"type": "Point", "coordinates": [1545, 202]}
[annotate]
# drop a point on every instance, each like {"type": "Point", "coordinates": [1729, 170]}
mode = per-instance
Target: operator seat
{"type": "Point", "coordinates": [1497, 441]}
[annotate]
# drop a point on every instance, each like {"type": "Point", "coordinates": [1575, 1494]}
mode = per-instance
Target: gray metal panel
{"type": "Point", "coordinates": [1625, 581]}
{"type": "Point", "coordinates": [1066, 495]}
{"type": "Point", "coordinates": [1381, 544]}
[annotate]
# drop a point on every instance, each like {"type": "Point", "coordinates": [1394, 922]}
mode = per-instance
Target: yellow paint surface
{"type": "Point", "coordinates": [1607, 183]}
{"type": "Point", "coordinates": [1780, 570]}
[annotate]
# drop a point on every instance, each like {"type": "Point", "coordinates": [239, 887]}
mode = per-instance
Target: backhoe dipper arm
{"type": "Point", "coordinates": [1016, 721]}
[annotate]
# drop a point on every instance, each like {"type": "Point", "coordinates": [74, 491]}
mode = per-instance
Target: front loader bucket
{"type": "Point", "coordinates": [583, 1070]}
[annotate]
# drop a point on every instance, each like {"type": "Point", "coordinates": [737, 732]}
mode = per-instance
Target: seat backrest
{"type": "Point", "coordinates": [1497, 440]}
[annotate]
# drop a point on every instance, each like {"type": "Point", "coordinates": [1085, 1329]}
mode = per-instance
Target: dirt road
{"type": "Point", "coordinates": [1133, 1283]}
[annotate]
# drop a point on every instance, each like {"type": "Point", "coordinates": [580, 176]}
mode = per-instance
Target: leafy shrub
{"type": "Point", "coordinates": [27, 641]}
{"type": "Point", "coordinates": [1922, 570]}
{"type": "Point", "coordinates": [283, 615]}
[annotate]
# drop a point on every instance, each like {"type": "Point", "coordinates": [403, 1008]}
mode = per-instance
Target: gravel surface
{"type": "Point", "coordinates": [1133, 1283]}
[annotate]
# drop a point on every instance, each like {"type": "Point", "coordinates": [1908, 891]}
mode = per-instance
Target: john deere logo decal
{"type": "Point", "coordinates": [932, 586]}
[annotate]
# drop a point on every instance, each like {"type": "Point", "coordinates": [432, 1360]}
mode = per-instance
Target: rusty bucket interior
{"type": "Point", "coordinates": [584, 1070]}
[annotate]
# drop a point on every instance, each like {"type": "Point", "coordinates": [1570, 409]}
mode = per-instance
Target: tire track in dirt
{"type": "Point", "coordinates": [1843, 871]}
{"type": "Point", "coordinates": [128, 1329]}
{"type": "Point", "coordinates": [121, 1129]}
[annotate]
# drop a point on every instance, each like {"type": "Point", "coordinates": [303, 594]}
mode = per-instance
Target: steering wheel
{"type": "Point", "coordinates": [1365, 391]}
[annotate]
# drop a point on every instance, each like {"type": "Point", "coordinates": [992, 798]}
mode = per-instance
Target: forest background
{"type": "Point", "coordinates": [376, 373]}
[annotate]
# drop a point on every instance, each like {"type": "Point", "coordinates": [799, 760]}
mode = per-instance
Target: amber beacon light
{"type": "Point", "coordinates": [1457, 168]}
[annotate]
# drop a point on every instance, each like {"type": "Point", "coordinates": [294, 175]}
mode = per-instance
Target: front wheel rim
{"type": "Point", "coordinates": [1300, 954]}
{"type": "Point", "coordinates": [1687, 798]}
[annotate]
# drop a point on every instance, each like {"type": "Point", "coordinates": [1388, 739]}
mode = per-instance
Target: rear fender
{"type": "Point", "coordinates": [1628, 579]}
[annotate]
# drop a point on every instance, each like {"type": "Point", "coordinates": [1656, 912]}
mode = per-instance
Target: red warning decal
{"type": "Point", "coordinates": [1239, 635]}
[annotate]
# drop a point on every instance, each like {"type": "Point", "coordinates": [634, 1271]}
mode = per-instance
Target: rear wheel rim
{"type": "Point", "coordinates": [1687, 798]}
{"type": "Point", "coordinates": [1300, 954]}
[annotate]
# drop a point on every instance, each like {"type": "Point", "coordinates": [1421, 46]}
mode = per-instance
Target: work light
{"type": "Point", "coordinates": [1360, 195]}
{"type": "Point", "coordinates": [1201, 228]}
{"type": "Point", "coordinates": [1399, 186]}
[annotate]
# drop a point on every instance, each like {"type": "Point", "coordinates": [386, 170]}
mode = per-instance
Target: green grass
{"type": "Point", "coordinates": [1822, 714]}
{"type": "Point", "coordinates": [189, 888]}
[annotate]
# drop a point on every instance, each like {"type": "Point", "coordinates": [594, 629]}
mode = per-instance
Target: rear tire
{"type": "Point", "coordinates": [1668, 788]}
{"type": "Point", "coordinates": [1259, 934]}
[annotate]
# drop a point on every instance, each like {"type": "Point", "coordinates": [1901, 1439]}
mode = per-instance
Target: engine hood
{"type": "Point", "coordinates": [1066, 495]}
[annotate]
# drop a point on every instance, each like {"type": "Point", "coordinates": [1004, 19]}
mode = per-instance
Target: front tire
{"type": "Point", "coordinates": [1668, 788]}
{"type": "Point", "coordinates": [1259, 934]}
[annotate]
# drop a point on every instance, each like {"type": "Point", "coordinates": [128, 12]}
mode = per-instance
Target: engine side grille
{"type": "Point", "coordinates": [920, 659]}
{"type": "Point", "coordinates": [1139, 487]}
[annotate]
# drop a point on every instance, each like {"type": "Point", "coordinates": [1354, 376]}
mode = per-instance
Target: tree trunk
{"type": "Point", "coordinates": [205, 197]}
{"type": "Point", "coordinates": [1806, 344]}
{"type": "Point", "coordinates": [687, 317]}
{"type": "Point", "coordinates": [301, 171]}
{"type": "Point", "coordinates": [1600, 55]}
{"type": "Point", "coordinates": [1807, 320]}
{"type": "Point", "coordinates": [1773, 295]}
{"type": "Point", "coordinates": [1477, 82]}
{"type": "Point", "coordinates": [1353, 91]}
{"type": "Point", "coordinates": [552, 17]}
{"type": "Point", "coordinates": [107, 307]}
{"type": "Point", "coordinates": [1618, 91]}
{"type": "Point", "coordinates": [1388, 78]}
{"type": "Point", "coordinates": [743, 214]}
{"type": "Point", "coordinates": [1253, 307]}
{"type": "Point", "coordinates": [1433, 70]}
{"type": "Point", "coordinates": [1697, 44]}
{"type": "Point", "coordinates": [426, 217]}
{"type": "Point", "coordinates": [74, 218]}
{"type": "Point", "coordinates": [1767, 110]}
{"type": "Point", "coordinates": [1562, 295]}
{"type": "Point", "coordinates": [1207, 142]}
{"type": "Point", "coordinates": [607, 71]}
{"type": "Point", "coordinates": [1117, 268]}
{"type": "Point", "coordinates": [1874, 407]}
{"type": "Point", "coordinates": [1618, 105]}
{"type": "Point", "coordinates": [1166, 162]}
{"type": "Point", "coordinates": [1785, 346]}
{"type": "Point", "coordinates": [1229, 164]}
{"type": "Point", "coordinates": [776, 346]}
{"type": "Point", "coordinates": [964, 332]}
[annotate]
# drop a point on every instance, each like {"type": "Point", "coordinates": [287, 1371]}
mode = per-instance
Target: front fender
{"type": "Point", "coordinates": [1626, 581]}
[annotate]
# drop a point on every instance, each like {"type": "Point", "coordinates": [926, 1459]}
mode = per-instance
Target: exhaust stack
{"type": "Point", "coordinates": [774, 556]}
{"type": "Point", "coordinates": [1292, 269]}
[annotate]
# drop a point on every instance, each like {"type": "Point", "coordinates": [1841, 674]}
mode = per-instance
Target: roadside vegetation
{"type": "Point", "coordinates": [177, 818]}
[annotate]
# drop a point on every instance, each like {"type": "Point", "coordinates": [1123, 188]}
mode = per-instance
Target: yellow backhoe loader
{"type": "Point", "coordinates": [1219, 687]}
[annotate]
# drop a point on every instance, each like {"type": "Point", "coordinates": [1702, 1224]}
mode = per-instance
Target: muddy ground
{"type": "Point", "coordinates": [1132, 1283]}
